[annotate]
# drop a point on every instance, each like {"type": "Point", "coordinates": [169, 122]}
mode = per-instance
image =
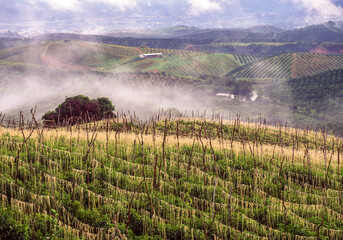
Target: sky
{"type": "Point", "coordinates": [104, 15]}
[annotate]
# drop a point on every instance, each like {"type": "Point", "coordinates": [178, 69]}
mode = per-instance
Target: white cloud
{"type": "Point", "coordinates": [202, 6]}
{"type": "Point", "coordinates": [69, 5]}
{"type": "Point", "coordinates": [319, 10]}
{"type": "Point", "coordinates": [119, 4]}
{"type": "Point", "coordinates": [76, 5]}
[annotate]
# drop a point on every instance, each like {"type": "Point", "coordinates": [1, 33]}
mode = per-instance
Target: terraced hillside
{"type": "Point", "coordinates": [77, 55]}
{"type": "Point", "coordinates": [191, 65]}
{"type": "Point", "coordinates": [293, 65]}
{"type": "Point", "coordinates": [246, 59]}
{"type": "Point", "coordinates": [320, 93]}
{"type": "Point", "coordinates": [170, 179]}
{"type": "Point", "coordinates": [87, 55]}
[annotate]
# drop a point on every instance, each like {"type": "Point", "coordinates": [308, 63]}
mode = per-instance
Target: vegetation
{"type": "Point", "coordinates": [289, 66]}
{"type": "Point", "coordinates": [242, 88]}
{"type": "Point", "coordinates": [246, 59]}
{"type": "Point", "coordinates": [79, 108]}
{"type": "Point", "coordinates": [318, 96]}
{"type": "Point", "coordinates": [170, 179]}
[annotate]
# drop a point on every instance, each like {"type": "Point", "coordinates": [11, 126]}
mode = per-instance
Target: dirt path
{"type": "Point", "coordinates": [139, 50]}
{"type": "Point", "coordinates": [50, 61]}
{"type": "Point", "coordinates": [43, 56]}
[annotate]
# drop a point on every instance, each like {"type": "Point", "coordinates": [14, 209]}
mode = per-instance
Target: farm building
{"type": "Point", "coordinates": [227, 96]}
{"type": "Point", "coordinates": [151, 55]}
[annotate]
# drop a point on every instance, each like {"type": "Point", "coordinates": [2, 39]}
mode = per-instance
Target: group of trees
{"type": "Point", "coordinates": [80, 107]}
{"type": "Point", "coordinates": [242, 88]}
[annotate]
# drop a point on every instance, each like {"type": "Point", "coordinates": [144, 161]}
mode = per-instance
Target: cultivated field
{"type": "Point", "coordinates": [172, 179]}
{"type": "Point", "coordinates": [292, 65]}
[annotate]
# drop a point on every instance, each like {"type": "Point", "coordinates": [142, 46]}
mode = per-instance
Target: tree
{"type": "Point", "coordinates": [106, 107]}
{"type": "Point", "coordinates": [80, 107]}
{"type": "Point", "coordinates": [243, 88]}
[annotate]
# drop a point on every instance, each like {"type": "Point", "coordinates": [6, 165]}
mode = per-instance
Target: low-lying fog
{"type": "Point", "coordinates": [46, 93]}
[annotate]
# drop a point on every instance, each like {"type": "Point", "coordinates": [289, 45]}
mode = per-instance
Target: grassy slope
{"type": "Point", "coordinates": [252, 186]}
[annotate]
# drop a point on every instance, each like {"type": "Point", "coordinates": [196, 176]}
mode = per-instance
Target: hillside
{"type": "Point", "coordinates": [78, 55]}
{"type": "Point", "coordinates": [184, 79]}
{"type": "Point", "coordinates": [170, 179]}
{"type": "Point", "coordinates": [317, 95]}
{"type": "Point", "coordinates": [123, 41]}
{"type": "Point", "coordinates": [258, 40]}
{"type": "Point", "coordinates": [313, 33]}
{"type": "Point", "coordinates": [289, 66]}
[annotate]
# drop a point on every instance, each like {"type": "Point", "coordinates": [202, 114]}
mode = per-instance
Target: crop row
{"type": "Point", "coordinates": [246, 59]}
{"type": "Point", "coordinates": [102, 182]}
{"type": "Point", "coordinates": [290, 66]}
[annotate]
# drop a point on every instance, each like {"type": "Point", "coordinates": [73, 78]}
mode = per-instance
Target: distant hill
{"type": "Point", "coordinates": [12, 42]}
{"type": "Point", "coordinates": [180, 37]}
{"type": "Point", "coordinates": [314, 33]}
{"type": "Point", "coordinates": [169, 43]}
{"type": "Point", "coordinates": [178, 30]}
{"type": "Point", "coordinates": [168, 32]}
{"type": "Point", "coordinates": [265, 29]}
{"type": "Point", "coordinates": [229, 35]}
{"type": "Point", "coordinates": [9, 34]}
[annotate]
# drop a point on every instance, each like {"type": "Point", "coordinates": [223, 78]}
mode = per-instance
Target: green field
{"type": "Point", "coordinates": [172, 179]}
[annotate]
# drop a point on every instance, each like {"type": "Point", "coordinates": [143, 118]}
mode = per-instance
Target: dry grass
{"type": "Point", "coordinates": [317, 157]}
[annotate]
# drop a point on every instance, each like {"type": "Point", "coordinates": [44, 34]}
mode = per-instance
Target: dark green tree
{"type": "Point", "coordinates": [106, 107]}
{"type": "Point", "coordinates": [80, 108]}
{"type": "Point", "coordinates": [242, 88]}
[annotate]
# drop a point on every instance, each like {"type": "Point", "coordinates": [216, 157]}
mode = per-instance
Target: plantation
{"type": "Point", "coordinates": [77, 55]}
{"type": "Point", "coordinates": [170, 179]}
{"type": "Point", "coordinates": [154, 79]}
{"type": "Point", "coordinates": [246, 59]}
{"type": "Point", "coordinates": [292, 65]}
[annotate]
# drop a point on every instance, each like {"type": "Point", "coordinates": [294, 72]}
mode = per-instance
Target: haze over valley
{"type": "Point", "coordinates": [148, 119]}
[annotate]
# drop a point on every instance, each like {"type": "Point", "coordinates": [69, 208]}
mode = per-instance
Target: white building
{"type": "Point", "coordinates": [151, 55]}
{"type": "Point", "coordinates": [227, 96]}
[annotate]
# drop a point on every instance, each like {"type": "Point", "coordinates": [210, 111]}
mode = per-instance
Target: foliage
{"type": "Point", "coordinates": [242, 88]}
{"type": "Point", "coordinates": [286, 66]}
{"type": "Point", "coordinates": [80, 107]}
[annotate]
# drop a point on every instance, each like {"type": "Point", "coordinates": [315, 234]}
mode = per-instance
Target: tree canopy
{"type": "Point", "coordinates": [81, 108]}
{"type": "Point", "coordinates": [243, 88]}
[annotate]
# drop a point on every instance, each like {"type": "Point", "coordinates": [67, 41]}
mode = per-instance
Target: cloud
{"type": "Point", "coordinates": [319, 10]}
{"type": "Point", "coordinates": [119, 4]}
{"type": "Point", "coordinates": [203, 6]}
{"type": "Point", "coordinates": [78, 5]}
{"type": "Point", "coordinates": [60, 5]}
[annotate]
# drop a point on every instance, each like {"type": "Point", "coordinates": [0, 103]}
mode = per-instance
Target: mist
{"type": "Point", "coordinates": [47, 92]}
